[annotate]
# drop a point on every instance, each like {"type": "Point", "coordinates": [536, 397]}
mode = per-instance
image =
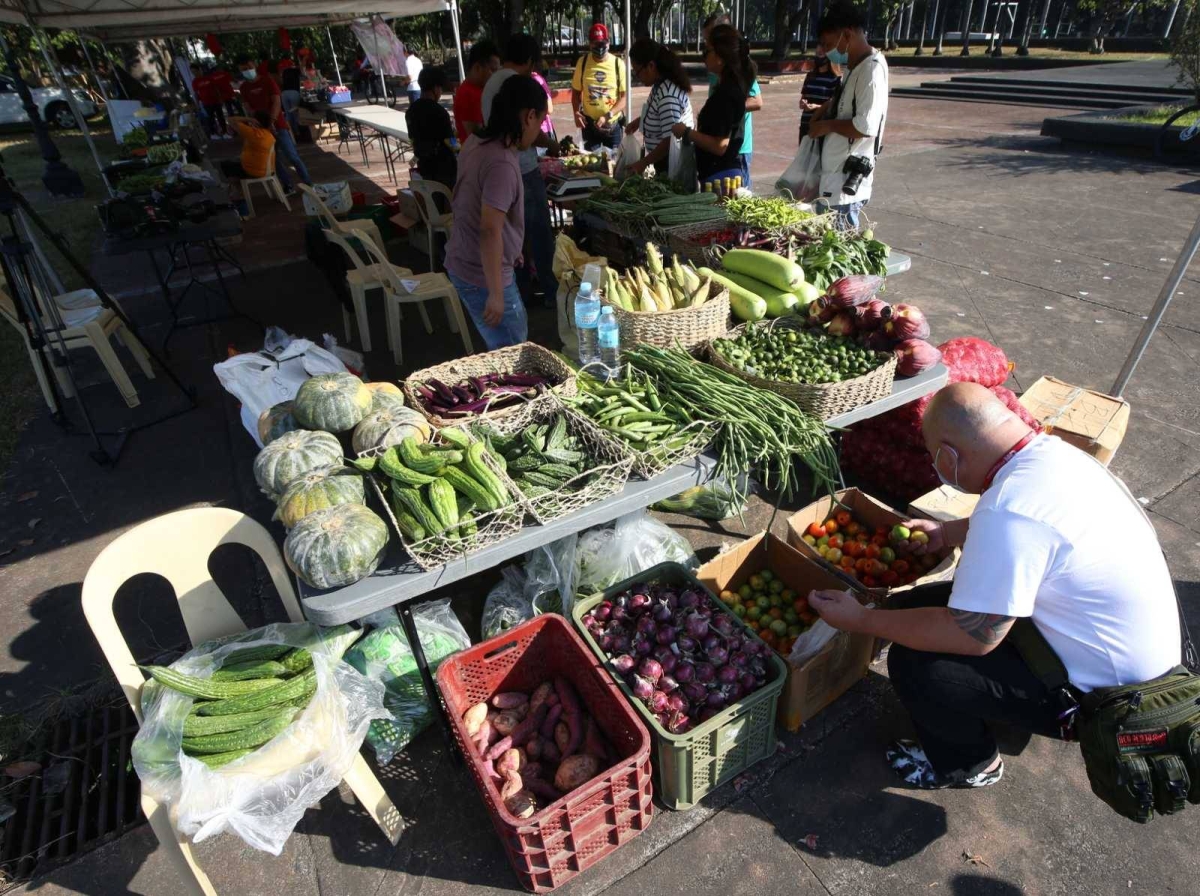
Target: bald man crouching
{"type": "Point", "coordinates": [1056, 540]}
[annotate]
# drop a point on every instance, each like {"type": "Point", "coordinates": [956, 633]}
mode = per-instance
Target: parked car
{"type": "Point", "coordinates": [51, 102]}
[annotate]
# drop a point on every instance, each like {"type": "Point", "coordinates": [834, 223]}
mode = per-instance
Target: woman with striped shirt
{"type": "Point", "coordinates": [659, 69]}
{"type": "Point", "coordinates": [819, 86]}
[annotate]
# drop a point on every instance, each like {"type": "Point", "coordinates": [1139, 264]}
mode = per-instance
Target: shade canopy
{"type": "Point", "coordinates": [121, 20]}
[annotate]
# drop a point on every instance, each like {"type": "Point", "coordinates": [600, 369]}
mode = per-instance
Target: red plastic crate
{"type": "Point", "coordinates": [581, 828]}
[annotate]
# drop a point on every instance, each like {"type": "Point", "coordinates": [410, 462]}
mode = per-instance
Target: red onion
{"type": "Point", "coordinates": [705, 611]}
{"type": "Point", "coordinates": [759, 667]}
{"type": "Point", "coordinates": [661, 612]}
{"type": "Point", "coordinates": [727, 674]}
{"type": "Point", "coordinates": [666, 658]}
{"type": "Point", "coordinates": [686, 643]}
{"type": "Point", "coordinates": [676, 702]}
{"type": "Point", "coordinates": [715, 699]}
{"type": "Point", "coordinates": [650, 670]}
{"type": "Point", "coordinates": [705, 672]}
{"type": "Point", "coordinates": [694, 691]}
{"type": "Point", "coordinates": [667, 684]}
{"type": "Point", "coordinates": [696, 625]}
{"type": "Point", "coordinates": [707, 713]}
{"type": "Point", "coordinates": [712, 642]}
{"type": "Point", "coordinates": [748, 681]}
{"type": "Point", "coordinates": [642, 689]}
{"type": "Point", "coordinates": [603, 610]}
{"type": "Point", "coordinates": [662, 718]}
{"type": "Point", "coordinates": [736, 692]}
{"type": "Point", "coordinates": [646, 625]}
{"type": "Point", "coordinates": [739, 659]}
{"type": "Point", "coordinates": [642, 646]}
{"type": "Point", "coordinates": [621, 643]}
{"type": "Point", "coordinates": [624, 664]}
{"type": "Point", "coordinates": [718, 655]}
{"type": "Point", "coordinates": [689, 599]}
{"type": "Point", "coordinates": [666, 634]}
{"type": "Point", "coordinates": [671, 601]}
{"type": "Point", "coordinates": [684, 672]}
{"type": "Point", "coordinates": [638, 603]}
{"type": "Point", "coordinates": [724, 624]}
{"type": "Point", "coordinates": [619, 613]}
{"type": "Point", "coordinates": [658, 702]}
{"type": "Point", "coordinates": [606, 643]}
{"type": "Point", "coordinates": [678, 723]}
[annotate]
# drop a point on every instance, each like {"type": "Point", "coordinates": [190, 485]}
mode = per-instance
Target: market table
{"type": "Point", "coordinates": [388, 124]}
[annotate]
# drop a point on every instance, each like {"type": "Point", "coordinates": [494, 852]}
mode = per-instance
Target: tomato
{"type": "Point", "coordinates": [869, 581]}
{"type": "Point", "coordinates": [790, 616]}
{"type": "Point", "coordinates": [816, 530]}
{"type": "Point", "coordinates": [836, 541]}
{"type": "Point", "coordinates": [808, 539]}
{"type": "Point", "coordinates": [852, 529]}
{"type": "Point", "coordinates": [889, 578]}
{"type": "Point", "coordinates": [846, 563]}
{"type": "Point", "coordinates": [852, 549]}
{"type": "Point", "coordinates": [800, 605]}
{"type": "Point", "coordinates": [887, 555]}
{"type": "Point", "coordinates": [900, 567]}
{"type": "Point", "coordinates": [871, 552]}
{"type": "Point", "coordinates": [823, 541]}
{"type": "Point", "coordinates": [879, 540]}
{"type": "Point", "coordinates": [882, 530]}
{"type": "Point", "coordinates": [775, 613]}
{"type": "Point", "coordinates": [768, 637]}
{"type": "Point", "coordinates": [808, 616]}
{"type": "Point", "coordinates": [843, 518]}
{"type": "Point", "coordinates": [861, 563]}
{"type": "Point", "coordinates": [833, 555]}
{"type": "Point", "coordinates": [831, 527]}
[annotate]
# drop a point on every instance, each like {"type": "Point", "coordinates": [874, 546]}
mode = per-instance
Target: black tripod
{"type": "Point", "coordinates": [22, 272]}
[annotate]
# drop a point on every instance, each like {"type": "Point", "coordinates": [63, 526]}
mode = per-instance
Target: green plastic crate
{"type": "Point", "coordinates": [687, 766]}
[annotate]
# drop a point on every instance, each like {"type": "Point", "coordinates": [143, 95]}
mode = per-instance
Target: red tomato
{"type": "Point", "coordinates": [846, 563]}
{"type": "Point", "coordinates": [836, 541]}
{"type": "Point", "coordinates": [900, 567]}
{"type": "Point", "coordinates": [816, 530]}
{"type": "Point", "coordinates": [831, 527]}
{"type": "Point", "coordinates": [871, 552]}
{"type": "Point", "coordinates": [852, 549]}
{"type": "Point", "coordinates": [869, 581]}
{"type": "Point", "coordinates": [889, 578]}
{"type": "Point", "coordinates": [843, 518]}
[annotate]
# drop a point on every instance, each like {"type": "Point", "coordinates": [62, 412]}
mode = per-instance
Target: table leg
{"type": "Point", "coordinates": [362, 144]}
{"type": "Point", "coordinates": [431, 691]}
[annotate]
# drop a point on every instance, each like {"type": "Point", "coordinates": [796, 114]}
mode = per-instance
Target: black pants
{"type": "Point", "coordinates": [233, 168]}
{"type": "Point", "coordinates": [216, 119]}
{"type": "Point", "coordinates": [951, 698]}
{"type": "Point", "coordinates": [595, 137]}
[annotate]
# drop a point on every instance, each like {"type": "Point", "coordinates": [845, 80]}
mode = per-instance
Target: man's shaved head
{"type": "Point", "coordinates": [976, 425]}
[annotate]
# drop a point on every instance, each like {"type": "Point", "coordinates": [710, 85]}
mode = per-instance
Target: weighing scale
{"type": "Point", "coordinates": [565, 187]}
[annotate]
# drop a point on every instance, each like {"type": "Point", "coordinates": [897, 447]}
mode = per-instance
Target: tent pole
{"type": "Point", "coordinates": [458, 48]}
{"type": "Point", "coordinates": [1160, 309]}
{"type": "Point", "coordinates": [112, 67]}
{"type": "Point", "coordinates": [627, 37]}
{"type": "Point", "coordinates": [52, 60]}
{"type": "Point", "coordinates": [92, 68]}
{"type": "Point", "coordinates": [332, 49]}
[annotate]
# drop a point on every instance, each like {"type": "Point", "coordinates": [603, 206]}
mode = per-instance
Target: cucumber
{"type": "Point", "coordinates": [206, 688]}
{"type": "Point", "coordinates": [216, 760]}
{"type": "Point", "coordinates": [779, 302]}
{"type": "Point", "coordinates": [201, 726]}
{"type": "Point", "coordinates": [745, 305]}
{"type": "Point", "coordinates": [246, 738]}
{"type": "Point", "coordinates": [244, 671]}
{"type": "Point", "coordinates": [271, 696]}
{"type": "Point", "coordinates": [262, 652]}
{"type": "Point", "coordinates": [297, 661]}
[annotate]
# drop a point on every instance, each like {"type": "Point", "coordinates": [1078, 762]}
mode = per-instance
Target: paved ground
{"type": "Point", "coordinates": [1054, 255]}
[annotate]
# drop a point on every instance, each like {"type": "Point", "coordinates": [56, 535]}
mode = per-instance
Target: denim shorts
{"type": "Point", "coordinates": [513, 327]}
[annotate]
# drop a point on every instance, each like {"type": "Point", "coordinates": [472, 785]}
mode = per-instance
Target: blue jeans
{"type": "Point", "coordinates": [413, 96]}
{"type": "Point", "coordinates": [285, 147]}
{"type": "Point", "coordinates": [539, 235]}
{"type": "Point", "coordinates": [514, 326]}
{"type": "Point", "coordinates": [848, 214]}
{"type": "Point", "coordinates": [745, 160]}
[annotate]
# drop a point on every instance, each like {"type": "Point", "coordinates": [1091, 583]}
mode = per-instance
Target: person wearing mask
{"type": "Point", "coordinates": [489, 216]}
{"type": "Point", "coordinates": [482, 61]}
{"type": "Point", "coordinates": [818, 88]}
{"type": "Point", "coordinates": [430, 129]}
{"type": "Point", "coordinates": [1037, 563]}
{"type": "Point", "coordinates": [656, 67]}
{"type": "Point", "coordinates": [753, 98]}
{"type": "Point", "coordinates": [262, 94]}
{"type": "Point", "coordinates": [718, 132]}
{"type": "Point", "coordinates": [412, 69]}
{"type": "Point", "coordinates": [597, 91]}
{"type": "Point", "coordinates": [289, 96]}
{"type": "Point", "coordinates": [522, 54]}
{"type": "Point", "coordinates": [257, 141]}
{"type": "Point", "coordinates": [208, 95]}
{"type": "Point", "coordinates": [852, 121]}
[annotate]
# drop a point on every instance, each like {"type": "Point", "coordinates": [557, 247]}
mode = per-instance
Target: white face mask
{"type": "Point", "coordinates": [249, 74]}
{"type": "Point", "coordinates": [946, 481]}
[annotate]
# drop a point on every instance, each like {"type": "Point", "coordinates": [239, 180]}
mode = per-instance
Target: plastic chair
{"type": "Point", "coordinates": [270, 183]}
{"type": "Point", "coordinates": [329, 221]}
{"type": "Point", "coordinates": [435, 221]}
{"type": "Point", "coordinates": [83, 322]}
{"type": "Point", "coordinates": [177, 547]}
{"type": "Point", "coordinates": [362, 277]}
{"type": "Point", "coordinates": [430, 286]}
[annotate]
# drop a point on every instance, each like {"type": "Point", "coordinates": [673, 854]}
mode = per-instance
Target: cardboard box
{"type": "Point", "coordinates": [822, 678]}
{"type": "Point", "coordinates": [1089, 420]}
{"type": "Point", "coordinates": [867, 510]}
{"type": "Point", "coordinates": [944, 503]}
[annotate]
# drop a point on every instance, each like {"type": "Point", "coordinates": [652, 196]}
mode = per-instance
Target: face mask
{"type": "Point", "coordinates": [946, 481]}
{"type": "Point", "coordinates": [249, 74]}
{"type": "Point", "coordinates": [600, 51]}
{"type": "Point", "coordinates": [837, 57]}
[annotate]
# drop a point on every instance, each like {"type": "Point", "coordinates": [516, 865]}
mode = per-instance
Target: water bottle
{"type": "Point", "coordinates": [610, 340]}
{"type": "Point", "coordinates": [587, 316]}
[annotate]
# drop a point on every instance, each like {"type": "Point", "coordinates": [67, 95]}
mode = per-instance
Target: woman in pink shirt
{"type": "Point", "coordinates": [547, 125]}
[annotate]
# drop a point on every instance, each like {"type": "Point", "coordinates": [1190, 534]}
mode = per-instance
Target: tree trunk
{"type": "Point", "coordinates": [597, 10]}
{"type": "Point", "coordinates": [1024, 25]}
{"type": "Point", "coordinates": [920, 50]}
{"type": "Point", "coordinates": [966, 29]}
{"type": "Point", "coordinates": [940, 27]}
{"type": "Point", "coordinates": [1170, 19]}
{"type": "Point", "coordinates": [786, 22]}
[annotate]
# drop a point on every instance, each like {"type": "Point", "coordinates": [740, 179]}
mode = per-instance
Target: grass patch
{"type": "Point", "coordinates": [1158, 116]}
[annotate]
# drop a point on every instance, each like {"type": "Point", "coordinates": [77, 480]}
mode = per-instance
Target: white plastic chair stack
{"type": "Point", "coordinates": [359, 279]}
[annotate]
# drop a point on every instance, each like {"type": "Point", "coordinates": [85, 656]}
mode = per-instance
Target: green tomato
{"type": "Point", "coordinates": [775, 587]}
{"type": "Point", "coordinates": [763, 602]}
{"type": "Point", "coordinates": [790, 616]}
{"type": "Point", "coordinates": [746, 592]}
{"type": "Point", "coordinates": [778, 626]}
{"type": "Point", "coordinates": [788, 595]}
{"type": "Point", "coordinates": [754, 612]}
{"type": "Point", "coordinates": [740, 611]}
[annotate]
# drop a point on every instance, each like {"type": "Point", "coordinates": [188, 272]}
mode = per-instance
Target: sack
{"type": "Point", "coordinates": [335, 195]}
{"type": "Point", "coordinates": [803, 177]}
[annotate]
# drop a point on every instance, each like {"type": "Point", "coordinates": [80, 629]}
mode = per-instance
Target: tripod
{"type": "Point", "coordinates": [26, 275]}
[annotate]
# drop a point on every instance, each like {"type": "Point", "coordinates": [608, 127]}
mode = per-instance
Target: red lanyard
{"type": "Point", "coordinates": [1008, 455]}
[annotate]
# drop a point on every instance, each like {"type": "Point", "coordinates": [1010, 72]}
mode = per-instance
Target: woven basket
{"type": "Point", "coordinates": [683, 446]}
{"type": "Point", "coordinates": [686, 327]}
{"type": "Point", "coordinates": [682, 241]}
{"type": "Point", "coordinates": [824, 400]}
{"type": "Point", "coordinates": [524, 358]}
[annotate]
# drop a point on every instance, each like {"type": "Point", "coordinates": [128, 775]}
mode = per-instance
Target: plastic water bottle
{"type": "Point", "coordinates": [587, 316]}
{"type": "Point", "coordinates": [610, 340]}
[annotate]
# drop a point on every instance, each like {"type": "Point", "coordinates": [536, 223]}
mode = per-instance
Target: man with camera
{"type": "Point", "coordinates": [851, 123]}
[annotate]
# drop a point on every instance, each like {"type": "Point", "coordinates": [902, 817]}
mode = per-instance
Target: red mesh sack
{"type": "Point", "coordinates": [1010, 398]}
{"type": "Point", "coordinates": [974, 360]}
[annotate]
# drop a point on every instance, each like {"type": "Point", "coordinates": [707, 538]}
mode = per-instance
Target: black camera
{"type": "Point", "coordinates": [855, 169]}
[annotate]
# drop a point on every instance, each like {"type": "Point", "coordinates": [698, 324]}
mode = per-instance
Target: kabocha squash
{"type": "Point", "coordinates": [385, 395]}
{"type": "Point", "coordinates": [332, 402]}
{"type": "Point", "coordinates": [336, 547]}
{"type": "Point", "coordinates": [389, 426]}
{"type": "Point", "coordinates": [291, 456]}
{"type": "Point", "coordinates": [319, 489]}
{"type": "Point", "coordinates": [276, 421]}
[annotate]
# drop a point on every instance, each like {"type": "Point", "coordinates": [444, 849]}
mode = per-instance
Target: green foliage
{"type": "Point", "coordinates": [1185, 47]}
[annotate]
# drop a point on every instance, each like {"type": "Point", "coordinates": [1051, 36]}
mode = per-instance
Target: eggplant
{"type": "Point", "coordinates": [445, 395]}
{"type": "Point", "coordinates": [462, 394]}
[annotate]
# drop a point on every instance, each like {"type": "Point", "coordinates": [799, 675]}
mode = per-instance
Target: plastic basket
{"type": "Point", "coordinates": [690, 765]}
{"type": "Point", "coordinates": [578, 830]}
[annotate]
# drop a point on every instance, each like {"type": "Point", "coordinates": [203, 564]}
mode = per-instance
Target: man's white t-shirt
{"type": "Point", "coordinates": [864, 98]}
{"type": "Point", "coordinates": [1057, 538]}
{"type": "Point", "coordinates": [412, 68]}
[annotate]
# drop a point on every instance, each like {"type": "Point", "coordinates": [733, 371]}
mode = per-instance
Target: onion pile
{"type": "Point", "coordinates": [682, 657]}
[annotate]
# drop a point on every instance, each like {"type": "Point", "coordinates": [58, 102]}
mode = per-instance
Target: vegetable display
{"type": "Point", "coordinates": [682, 657]}
{"type": "Point", "coordinates": [772, 610]}
{"type": "Point", "coordinates": [657, 287]}
{"type": "Point", "coordinates": [878, 557]}
{"type": "Point", "coordinates": [142, 183]}
{"type": "Point", "coordinates": [332, 402]}
{"type": "Point", "coordinates": [765, 213]}
{"type": "Point", "coordinates": [337, 546]}
{"type": "Point", "coordinates": [537, 747]}
{"type": "Point", "coordinates": [479, 394]}
{"type": "Point", "coordinates": [542, 458]}
{"type": "Point", "coordinates": [164, 153]}
{"type": "Point", "coordinates": [586, 161]}
{"type": "Point", "coordinates": [136, 137]}
{"type": "Point", "coordinates": [638, 199]}
{"type": "Point", "coordinates": [794, 355]}
{"type": "Point", "coordinates": [633, 409]}
{"type": "Point", "coordinates": [838, 254]}
{"type": "Point", "coordinates": [292, 455]}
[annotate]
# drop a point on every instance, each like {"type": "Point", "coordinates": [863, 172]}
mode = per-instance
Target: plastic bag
{"type": "Point", "coordinates": [507, 605]}
{"type": "Point", "coordinates": [803, 177]}
{"type": "Point", "coordinates": [385, 656]}
{"type": "Point", "coordinates": [811, 642]}
{"type": "Point", "coordinates": [715, 500]}
{"type": "Point", "coordinates": [635, 543]}
{"type": "Point", "coordinates": [550, 576]}
{"type": "Point", "coordinates": [630, 152]}
{"type": "Point", "coordinates": [681, 164]}
{"type": "Point", "coordinates": [354, 361]}
{"type": "Point", "coordinates": [263, 795]}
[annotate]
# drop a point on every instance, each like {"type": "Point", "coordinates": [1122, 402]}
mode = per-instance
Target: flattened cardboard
{"type": "Point", "coordinates": [945, 504]}
{"type": "Point", "coordinates": [1089, 420]}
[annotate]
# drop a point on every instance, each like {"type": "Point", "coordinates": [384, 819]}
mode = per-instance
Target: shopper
{"type": "Point", "coordinates": [1038, 549]}
{"type": "Point", "coordinates": [656, 67]}
{"type": "Point", "coordinates": [818, 88]}
{"type": "Point", "coordinates": [430, 129]}
{"type": "Point", "coordinates": [223, 80]}
{"type": "Point", "coordinates": [522, 54]}
{"type": "Point", "coordinates": [753, 97]}
{"type": "Point", "coordinates": [262, 94]}
{"type": "Point", "coordinates": [208, 95]}
{"type": "Point", "coordinates": [852, 122]}
{"type": "Point", "coordinates": [412, 68]}
{"type": "Point", "coordinates": [489, 218]}
{"type": "Point", "coordinates": [548, 124]}
{"type": "Point", "coordinates": [289, 96]}
{"type": "Point", "coordinates": [597, 91]}
{"type": "Point", "coordinates": [257, 141]}
{"type": "Point", "coordinates": [720, 125]}
{"type": "Point", "coordinates": [482, 61]}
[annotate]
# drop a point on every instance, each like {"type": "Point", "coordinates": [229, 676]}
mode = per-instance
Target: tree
{"type": "Point", "coordinates": [1185, 49]}
{"type": "Point", "coordinates": [1104, 14]}
{"type": "Point", "coordinates": [966, 29]}
{"type": "Point", "coordinates": [788, 16]}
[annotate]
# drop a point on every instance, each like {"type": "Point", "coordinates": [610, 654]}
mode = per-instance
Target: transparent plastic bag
{"type": "Point", "coordinates": [550, 575]}
{"type": "Point", "coordinates": [507, 605]}
{"type": "Point", "coordinates": [715, 500]}
{"type": "Point", "coordinates": [263, 795]}
{"type": "Point", "coordinates": [635, 543]}
{"type": "Point", "coordinates": [803, 177]}
{"type": "Point", "coordinates": [813, 640]}
{"type": "Point", "coordinates": [384, 656]}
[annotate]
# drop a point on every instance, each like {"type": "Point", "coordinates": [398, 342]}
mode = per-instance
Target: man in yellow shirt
{"type": "Point", "coordinates": [597, 91]}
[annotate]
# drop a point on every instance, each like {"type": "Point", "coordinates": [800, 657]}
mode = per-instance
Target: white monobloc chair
{"type": "Point", "coordinates": [270, 183]}
{"type": "Point", "coordinates": [359, 279]}
{"type": "Point", "coordinates": [177, 546]}
{"type": "Point", "coordinates": [353, 228]}
{"type": "Point", "coordinates": [426, 193]}
{"type": "Point", "coordinates": [431, 286]}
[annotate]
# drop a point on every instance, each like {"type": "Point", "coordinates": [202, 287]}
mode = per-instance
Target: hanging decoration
{"type": "Point", "coordinates": [384, 50]}
{"type": "Point", "coordinates": [285, 39]}
{"type": "Point", "coordinates": [214, 44]}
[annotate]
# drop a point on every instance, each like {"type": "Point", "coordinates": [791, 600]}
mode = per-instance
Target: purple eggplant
{"type": "Point", "coordinates": [462, 394]}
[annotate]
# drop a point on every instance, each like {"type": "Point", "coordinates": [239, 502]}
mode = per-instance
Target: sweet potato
{"type": "Point", "coordinates": [512, 784]}
{"type": "Point", "coordinates": [552, 700]}
{"type": "Point", "coordinates": [562, 738]}
{"type": "Point", "coordinates": [552, 716]}
{"type": "Point", "coordinates": [531, 770]}
{"type": "Point", "coordinates": [593, 741]}
{"type": "Point", "coordinates": [528, 726]}
{"type": "Point", "coordinates": [550, 752]}
{"type": "Point", "coordinates": [489, 769]}
{"type": "Point", "coordinates": [506, 722]}
{"type": "Point", "coordinates": [485, 732]}
{"type": "Point", "coordinates": [547, 791]}
{"type": "Point", "coordinates": [498, 748]}
{"type": "Point", "coordinates": [521, 804]}
{"type": "Point", "coordinates": [474, 718]}
{"type": "Point", "coordinates": [572, 715]}
{"type": "Point", "coordinates": [533, 749]}
{"type": "Point", "coordinates": [509, 700]}
{"type": "Point", "coordinates": [510, 760]}
{"type": "Point", "coordinates": [541, 695]}
{"type": "Point", "coordinates": [576, 771]}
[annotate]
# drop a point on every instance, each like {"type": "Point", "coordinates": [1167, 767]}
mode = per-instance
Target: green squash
{"type": "Point", "coordinates": [292, 455]}
{"type": "Point", "coordinates": [332, 402]}
{"type": "Point", "coordinates": [336, 547]}
{"type": "Point", "coordinates": [389, 426]}
{"type": "Point", "coordinates": [319, 489]}
{"type": "Point", "coordinates": [275, 421]}
{"type": "Point", "coordinates": [385, 395]}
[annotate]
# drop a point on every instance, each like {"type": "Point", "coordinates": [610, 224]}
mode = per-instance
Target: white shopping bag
{"type": "Point", "coordinates": [630, 152]}
{"type": "Point", "coordinates": [803, 177]}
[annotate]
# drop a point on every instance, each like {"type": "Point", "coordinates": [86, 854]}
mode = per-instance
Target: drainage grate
{"type": "Point", "coordinates": [85, 794]}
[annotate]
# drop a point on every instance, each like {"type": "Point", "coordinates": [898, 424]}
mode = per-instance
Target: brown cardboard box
{"type": "Point", "coordinates": [867, 510]}
{"type": "Point", "coordinates": [1089, 420]}
{"type": "Point", "coordinates": [824, 677]}
{"type": "Point", "coordinates": [944, 503]}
